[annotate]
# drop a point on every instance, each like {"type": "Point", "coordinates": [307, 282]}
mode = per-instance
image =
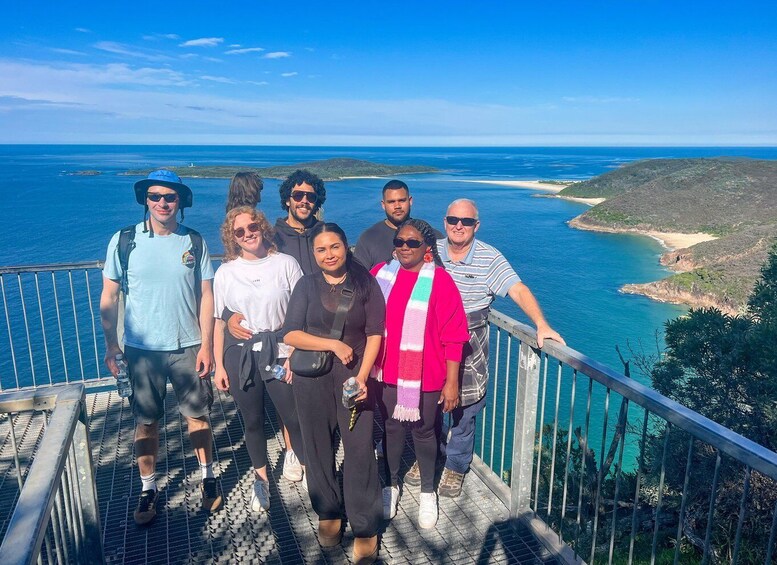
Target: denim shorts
{"type": "Point", "coordinates": [149, 372]}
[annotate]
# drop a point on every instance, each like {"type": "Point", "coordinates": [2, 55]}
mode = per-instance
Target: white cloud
{"type": "Point", "coordinates": [158, 36]}
{"type": "Point", "coordinates": [276, 55]}
{"type": "Point", "coordinates": [203, 42]}
{"type": "Point", "coordinates": [213, 59]}
{"type": "Point", "coordinates": [223, 80]}
{"type": "Point", "coordinates": [289, 74]}
{"type": "Point", "coordinates": [244, 50]}
{"type": "Point", "coordinates": [82, 30]}
{"type": "Point", "coordinates": [129, 51]}
{"type": "Point", "coordinates": [258, 83]}
{"type": "Point", "coordinates": [66, 51]}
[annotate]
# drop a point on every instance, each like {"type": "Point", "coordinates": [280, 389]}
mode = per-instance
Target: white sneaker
{"type": "Point", "coordinates": [390, 501]}
{"type": "Point", "coordinates": [292, 470]}
{"type": "Point", "coordinates": [260, 500]}
{"type": "Point", "coordinates": [427, 510]}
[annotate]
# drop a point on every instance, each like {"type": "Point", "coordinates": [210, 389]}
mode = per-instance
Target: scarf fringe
{"type": "Point", "coordinates": [406, 414]}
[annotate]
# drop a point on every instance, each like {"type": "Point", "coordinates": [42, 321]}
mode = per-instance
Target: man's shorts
{"type": "Point", "coordinates": [149, 372]}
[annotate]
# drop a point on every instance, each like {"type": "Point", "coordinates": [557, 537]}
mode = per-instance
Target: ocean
{"type": "Point", "coordinates": [53, 217]}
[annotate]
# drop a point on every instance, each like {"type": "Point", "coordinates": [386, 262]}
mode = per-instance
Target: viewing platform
{"type": "Point", "coordinates": [575, 463]}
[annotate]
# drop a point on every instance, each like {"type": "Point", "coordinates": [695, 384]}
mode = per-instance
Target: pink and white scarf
{"type": "Point", "coordinates": [411, 344]}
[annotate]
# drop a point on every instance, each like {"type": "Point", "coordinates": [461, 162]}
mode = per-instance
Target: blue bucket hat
{"type": "Point", "coordinates": [163, 177]}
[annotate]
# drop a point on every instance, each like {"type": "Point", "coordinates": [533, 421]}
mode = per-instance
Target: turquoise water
{"type": "Point", "coordinates": [51, 217]}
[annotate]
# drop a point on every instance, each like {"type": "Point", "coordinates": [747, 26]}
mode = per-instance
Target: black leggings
{"type": "Point", "coordinates": [251, 403]}
{"type": "Point", "coordinates": [425, 436]}
{"type": "Point", "coordinates": [321, 411]}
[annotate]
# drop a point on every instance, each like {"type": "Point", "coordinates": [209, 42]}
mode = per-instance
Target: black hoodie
{"type": "Point", "coordinates": [298, 245]}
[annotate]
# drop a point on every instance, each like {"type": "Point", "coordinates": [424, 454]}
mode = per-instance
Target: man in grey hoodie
{"type": "Point", "coordinates": [302, 195]}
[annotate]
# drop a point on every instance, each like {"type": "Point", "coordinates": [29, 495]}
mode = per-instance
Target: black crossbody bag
{"type": "Point", "coordinates": [306, 363]}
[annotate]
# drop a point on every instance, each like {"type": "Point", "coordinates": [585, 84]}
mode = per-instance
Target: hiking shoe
{"type": "Point", "coordinates": [413, 476]}
{"type": "Point", "coordinates": [211, 499]}
{"type": "Point", "coordinates": [427, 510]}
{"type": "Point", "coordinates": [146, 510]}
{"type": "Point", "coordinates": [390, 501]}
{"type": "Point", "coordinates": [260, 499]}
{"type": "Point", "coordinates": [450, 484]}
{"type": "Point", "coordinates": [292, 470]}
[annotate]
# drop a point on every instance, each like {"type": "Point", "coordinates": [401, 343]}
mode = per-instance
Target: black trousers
{"type": "Point", "coordinates": [251, 403]}
{"type": "Point", "coordinates": [425, 432]}
{"type": "Point", "coordinates": [321, 411]}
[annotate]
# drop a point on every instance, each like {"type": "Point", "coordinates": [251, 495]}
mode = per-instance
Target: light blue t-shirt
{"type": "Point", "coordinates": [160, 312]}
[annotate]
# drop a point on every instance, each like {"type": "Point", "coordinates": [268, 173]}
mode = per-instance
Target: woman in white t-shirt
{"type": "Point", "coordinates": [255, 280]}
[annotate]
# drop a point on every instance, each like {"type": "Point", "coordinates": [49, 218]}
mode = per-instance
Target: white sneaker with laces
{"type": "Point", "coordinates": [260, 500]}
{"type": "Point", "coordinates": [292, 470]}
{"type": "Point", "coordinates": [427, 510]}
{"type": "Point", "coordinates": [390, 501]}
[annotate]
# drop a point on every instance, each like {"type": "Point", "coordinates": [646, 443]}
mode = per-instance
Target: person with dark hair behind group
{"type": "Point", "coordinates": [245, 189]}
{"type": "Point", "coordinates": [309, 322]}
{"type": "Point", "coordinates": [426, 330]}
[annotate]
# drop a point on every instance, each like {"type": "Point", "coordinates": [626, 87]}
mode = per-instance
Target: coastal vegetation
{"type": "Point", "coordinates": [723, 367]}
{"type": "Point", "coordinates": [327, 169]}
{"type": "Point", "coordinates": [734, 200]}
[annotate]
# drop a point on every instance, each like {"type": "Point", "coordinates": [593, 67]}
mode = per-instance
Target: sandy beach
{"type": "Point", "coordinates": [670, 240]}
{"type": "Point", "coordinates": [589, 201]}
{"type": "Point", "coordinates": [530, 184]}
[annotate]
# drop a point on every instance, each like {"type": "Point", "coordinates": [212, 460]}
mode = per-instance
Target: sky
{"type": "Point", "coordinates": [389, 73]}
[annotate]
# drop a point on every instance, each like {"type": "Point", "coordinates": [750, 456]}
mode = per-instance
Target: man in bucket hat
{"type": "Point", "coordinates": [164, 272]}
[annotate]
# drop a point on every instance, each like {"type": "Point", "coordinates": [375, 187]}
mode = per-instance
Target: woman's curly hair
{"type": "Point", "coordinates": [427, 232]}
{"type": "Point", "coordinates": [231, 248]}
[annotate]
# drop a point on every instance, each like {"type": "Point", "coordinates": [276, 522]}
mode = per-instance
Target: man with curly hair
{"type": "Point", "coordinates": [302, 195]}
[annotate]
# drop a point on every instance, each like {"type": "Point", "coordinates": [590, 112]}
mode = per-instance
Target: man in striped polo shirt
{"type": "Point", "coordinates": [481, 273]}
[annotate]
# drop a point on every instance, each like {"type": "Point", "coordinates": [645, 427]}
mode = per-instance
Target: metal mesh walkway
{"type": "Point", "coordinates": [472, 529]}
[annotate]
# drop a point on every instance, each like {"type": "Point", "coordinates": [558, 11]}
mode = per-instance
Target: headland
{"type": "Point", "coordinates": [716, 217]}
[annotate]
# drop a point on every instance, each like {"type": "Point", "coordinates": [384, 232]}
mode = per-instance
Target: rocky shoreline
{"type": "Point", "coordinates": [676, 258]}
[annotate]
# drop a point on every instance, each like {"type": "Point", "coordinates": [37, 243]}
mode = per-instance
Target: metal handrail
{"type": "Point", "coordinates": [701, 427]}
{"type": "Point", "coordinates": [65, 434]}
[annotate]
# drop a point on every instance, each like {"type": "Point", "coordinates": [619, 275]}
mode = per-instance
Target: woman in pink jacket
{"type": "Point", "coordinates": [426, 329]}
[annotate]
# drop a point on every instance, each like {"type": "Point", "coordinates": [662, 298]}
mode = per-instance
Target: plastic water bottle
{"type": "Point", "coordinates": [123, 384]}
{"type": "Point", "coordinates": [277, 371]}
{"type": "Point", "coordinates": [350, 390]}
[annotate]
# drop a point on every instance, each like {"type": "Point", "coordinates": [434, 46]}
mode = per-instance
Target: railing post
{"type": "Point", "coordinates": [87, 491]}
{"type": "Point", "coordinates": [524, 429]}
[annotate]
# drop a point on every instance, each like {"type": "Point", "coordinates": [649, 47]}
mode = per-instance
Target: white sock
{"type": "Point", "coordinates": [207, 471]}
{"type": "Point", "coordinates": [149, 482]}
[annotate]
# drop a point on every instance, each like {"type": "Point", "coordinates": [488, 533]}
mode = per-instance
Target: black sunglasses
{"type": "Point", "coordinates": [298, 195]}
{"type": "Point", "coordinates": [466, 222]}
{"type": "Point", "coordinates": [240, 232]}
{"type": "Point", "coordinates": [156, 197]}
{"type": "Point", "coordinates": [411, 243]}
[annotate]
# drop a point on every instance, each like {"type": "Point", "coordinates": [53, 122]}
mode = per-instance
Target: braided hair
{"type": "Point", "coordinates": [427, 232]}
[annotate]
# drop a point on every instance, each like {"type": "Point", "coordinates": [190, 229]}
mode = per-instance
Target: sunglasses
{"type": "Point", "coordinates": [411, 243]}
{"type": "Point", "coordinates": [240, 232]}
{"type": "Point", "coordinates": [298, 195]}
{"type": "Point", "coordinates": [156, 197]}
{"type": "Point", "coordinates": [466, 222]}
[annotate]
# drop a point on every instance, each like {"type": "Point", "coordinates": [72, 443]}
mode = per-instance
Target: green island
{"type": "Point", "coordinates": [327, 169]}
{"type": "Point", "coordinates": [734, 200]}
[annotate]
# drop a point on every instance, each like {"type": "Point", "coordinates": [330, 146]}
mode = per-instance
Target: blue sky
{"type": "Point", "coordinates": [389, 73]}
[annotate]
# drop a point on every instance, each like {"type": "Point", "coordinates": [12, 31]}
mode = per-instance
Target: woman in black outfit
{"type": "Point", "coordinates": [311, 315]}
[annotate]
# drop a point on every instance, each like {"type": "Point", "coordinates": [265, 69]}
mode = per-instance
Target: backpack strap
{"type": "Point", "coordinates": [197, 249]}
{"type": "Point", "coordinates": [125, 247]}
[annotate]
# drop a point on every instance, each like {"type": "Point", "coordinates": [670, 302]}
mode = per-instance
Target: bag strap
{"type": "Point", "coordinates": [125, 247]}
{"type": "Point", "coordinates": [196, 241]}
{"type": "Point", "coordinates": [346, 299]}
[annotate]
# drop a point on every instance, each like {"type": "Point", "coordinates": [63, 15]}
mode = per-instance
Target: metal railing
{"type": "Point", "coordinates": [596, 463]}
{"type": "Point", "coordinates": [667, 484]}
{"type": "Point", "coordinates": [55, 517]}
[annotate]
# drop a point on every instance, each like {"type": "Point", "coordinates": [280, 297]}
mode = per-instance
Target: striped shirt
{"type": "Point", "coordinates": [481, 276]}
